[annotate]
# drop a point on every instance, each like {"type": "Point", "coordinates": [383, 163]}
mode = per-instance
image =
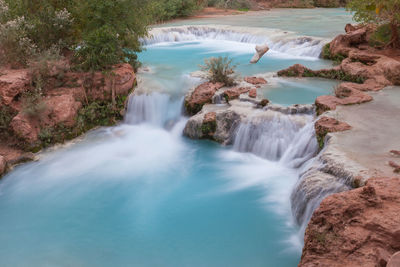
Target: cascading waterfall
{"type": "Point", "coordinates": [156, 108]}
{"type": "Point", "coordinates": [288, 138]}
{"type": "Point", "coordinates": [277, 40]}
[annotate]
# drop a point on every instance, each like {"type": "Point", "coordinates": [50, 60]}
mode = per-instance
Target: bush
{"type": "Point", "coordinates": [233, 4]}
{"type": "Point", "coordinates": [16, 46]}
{"type": "Point", "coordinates": [381, 36]}
{"type": "Point", "coordinates": [220, 69]}
{"type": "Point", "coordinates": [33, 104]}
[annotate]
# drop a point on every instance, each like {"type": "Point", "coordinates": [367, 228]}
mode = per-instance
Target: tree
{"type": "Point", "coordinates": [380, 12]}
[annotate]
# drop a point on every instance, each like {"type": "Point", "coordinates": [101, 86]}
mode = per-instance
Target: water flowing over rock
{"type": "Point", "coordinates": [360, 227]}
{"type": "Point", "coordinates": [277, 40]}
{"type": "Point", "coordinates": [154, 108]}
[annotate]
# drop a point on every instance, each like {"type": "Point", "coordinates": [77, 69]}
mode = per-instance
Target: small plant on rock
{"type": "Point", "coordinates": [33, 104]}
{"type": "Point", "coordinates": [219, 69]}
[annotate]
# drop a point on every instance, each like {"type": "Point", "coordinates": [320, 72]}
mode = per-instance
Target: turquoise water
{"type": "Point", "coordinates": [174, 62]}
{"type": "Point", "coordinates": [321, 22]}
{"type": "Point", "coordinates": [140, 194]}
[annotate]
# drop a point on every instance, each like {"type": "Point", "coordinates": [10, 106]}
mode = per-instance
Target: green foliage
{"type": "Point", "coordinates": [33, 104]}
{"type": "Point", "coordinates": [6, 115]}
{"type": "Point", "coordinates": [99, 114]}
{"type": "Point", "coordinates": [381, 36]}
{"type": "Point", "coordinates": [209, 128]}
{"type": "Point", "coordinates": [379, 12]}
{"type": "Point", "coordinates": [242, 5]}
{"type": "Point", "coordinates": [16, 47]}
{"type": "Point", "coordinates": [326, 54]}
{"type": "Point", "coordinates": [169, 9]}
{"type": "Point", "coordinates": [100, 50]}
{"type": "Point", "coordinates": [219, 69]}
{"type": "Point", "coordinates": [102, 32]}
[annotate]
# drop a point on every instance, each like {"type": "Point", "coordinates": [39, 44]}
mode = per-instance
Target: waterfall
{"type": "Point", "coordinates": [288, 138]}
{"type": "Point", "coordinates": [278, 41]}
{"type": "Point", "coordinates": [155, 108]}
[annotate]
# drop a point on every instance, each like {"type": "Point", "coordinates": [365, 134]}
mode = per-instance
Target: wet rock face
{"type": "Point", "coordinates": [360, 227]}
{"type": "Point", "coordinates": [201, 95]}
{"type": "Point", "coordinates": [327, 125]}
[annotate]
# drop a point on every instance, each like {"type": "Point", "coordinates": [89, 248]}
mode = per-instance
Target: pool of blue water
{"type": "Point", "coordinates": [139, 196]}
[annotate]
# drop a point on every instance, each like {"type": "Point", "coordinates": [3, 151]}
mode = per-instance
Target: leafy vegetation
{"type": "Point", "coordinates": [380, 12]}
{"type": "Point", "coordinates": [219, 69]}
{"type": "Point", "coordinates": [326, 54]}
{"type": "Point", "coordinates": [100, 33]}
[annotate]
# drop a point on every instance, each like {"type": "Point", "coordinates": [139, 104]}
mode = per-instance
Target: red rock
{"type": "Point", "coordinates": [25, 128]}
{"type": "Point", "coordinates": [360, 227]}
{"type": "Point", "coordinates": [395, 166]}
{"type": "Point", "coordinates": [329, 125]}
{"type": "Point", "coordinates": [253, 93]}
{"type": "Point", "coordinates": [62, 109]}
{"type": "Point", "coordinates": [349, 28]}
{"type": "Point", "coordinates": [394, 260]}
{"type": "Point", "coordinates": [341, 44]}
{"type": "Point", "coordinates": [201, 95]}
{"type": "Point", "coordinates": [346, 94]}
{"type": "Point", "coordinates": [325, 103]}
{"type": "Point", "coordinates": [395, 152]}
{"type": "Point", "coordinates": [235, 92]}
{"type": "Point", "coordinates": [255, 80]}
{"type": "Point", "coordinates": [12, 84]}
{"type": "Point", "coordinates": [3, 165]}
{"type": "Point", "coordinates": [297, 70]}
{"type": "Point", "coordinates": [210, 117]}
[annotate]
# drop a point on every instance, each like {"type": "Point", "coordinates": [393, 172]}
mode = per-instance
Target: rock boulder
{"type": "Point", "coordinates": [360, 227]}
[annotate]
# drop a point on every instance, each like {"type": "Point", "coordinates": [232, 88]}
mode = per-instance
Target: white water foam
{"type": "Point", "coordinates": [279, 41]}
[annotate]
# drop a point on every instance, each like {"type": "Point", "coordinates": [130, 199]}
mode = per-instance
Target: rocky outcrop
{"type": "Point", "coordinates": [13, 83]}
{"type": "Point", "coordinates": [212, 123]}
{"type": "Point", "coordinates": [362, 67]}
{"type": "Point", "coordinates": [345, 94]}
{"type": "Point", "coordinates": [201, 95]}
{"type": "Point", "coordinates": [326, 125]}
{"type": "Point", "coordinates": [235, 92]}
{"type": "Point", "coordinates": [255, 80]}
{"type": "Point", "coordinates": [355, 228]}
{"type": "Point", "coordinates": [54, 109]}
{"type": "Point", "coordinates": [253, 93]}
{"type": "Point", "coordinates": [260, 51]}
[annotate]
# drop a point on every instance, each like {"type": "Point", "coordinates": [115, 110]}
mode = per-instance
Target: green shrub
{"type": "Point", "coordinates": [32, 103]}
{"type": "Point", "coordinates": [6, 115]}
{"type": "Point", "coordinates": [16, 46]}
{"type": "Point", "coordinates": [381, 36]}
{"type": "Point", "coordinates": [243, 5]}
{"type": "Point", "coordinates": [219, 69]}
